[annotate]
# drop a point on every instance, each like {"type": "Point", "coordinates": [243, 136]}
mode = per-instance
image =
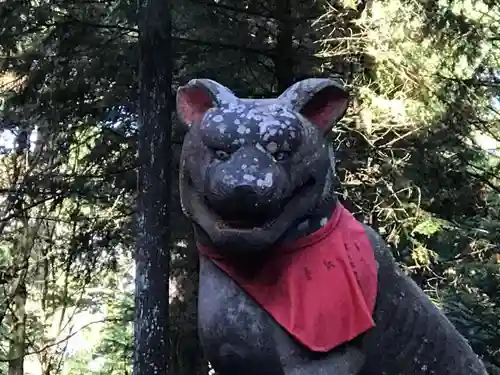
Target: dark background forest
{"type": "Point", "coordinates": [418, 157]}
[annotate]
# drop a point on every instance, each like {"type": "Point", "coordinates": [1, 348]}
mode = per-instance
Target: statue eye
{"type": "Point", "coordinates": [222, 155]}
{"type": "Point", "coordinates": [279, 156]}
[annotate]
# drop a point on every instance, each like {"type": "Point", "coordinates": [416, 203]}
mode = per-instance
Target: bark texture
{"type": "Point", "coordinates": [154, 185]}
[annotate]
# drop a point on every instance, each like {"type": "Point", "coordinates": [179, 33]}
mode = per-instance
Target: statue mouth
{"type": "Point", "coordinates": [252, 221]}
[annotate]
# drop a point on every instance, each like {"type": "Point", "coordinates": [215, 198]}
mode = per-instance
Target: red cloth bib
{"type": "Point", "coordinates": [321, 289]}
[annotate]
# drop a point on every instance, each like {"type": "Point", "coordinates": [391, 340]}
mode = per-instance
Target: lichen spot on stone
{"type": "Point", "coordinates": [241, 129]}
{"type": "Point", "coordinates": [273, 107]}
{"type": "Point", "coordinates": [267, 181]}
{"type": "Point", "coordinates": [249, 177]}
{"type": "Point", "coordinates": [272, 147]}
{"type": "Point", "coordinates": [266, 123]}
{"type": "Point", "coordinates": [218, 118]}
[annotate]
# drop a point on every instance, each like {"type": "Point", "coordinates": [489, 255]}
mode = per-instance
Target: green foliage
{"type": "Point", "coordinates": [428, 227]}
{"type": "Point", "coordinates": [111, 353]}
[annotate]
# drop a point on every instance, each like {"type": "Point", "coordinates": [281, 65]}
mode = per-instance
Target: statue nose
{"type": "Point", "coordinates": [246, 193]}
{"type": "Point", "coordinates": [245, 196]}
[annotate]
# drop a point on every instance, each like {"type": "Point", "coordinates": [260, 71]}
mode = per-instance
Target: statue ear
{"type": "Point", "coordinates": [196, 97]}
{"type": "Point", "coordinates": [322, 101]}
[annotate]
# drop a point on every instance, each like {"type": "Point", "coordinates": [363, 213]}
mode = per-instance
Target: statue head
{"type": "Point", "coordinates": [251, 169]}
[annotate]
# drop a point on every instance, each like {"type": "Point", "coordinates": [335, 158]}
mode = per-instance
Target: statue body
{"type": "Point", "coordinates": [256, 176]}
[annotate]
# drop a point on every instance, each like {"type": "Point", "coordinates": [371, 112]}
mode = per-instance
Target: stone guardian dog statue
{"type": "Point", "coordinates": [290, 282]}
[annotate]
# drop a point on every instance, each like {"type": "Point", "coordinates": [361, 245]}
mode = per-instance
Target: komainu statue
{"type": "Point", "coordinates": [290, 282]}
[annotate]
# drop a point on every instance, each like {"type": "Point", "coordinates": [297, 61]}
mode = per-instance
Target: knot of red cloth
{"type": "Point", "coordinates": [321, 288]}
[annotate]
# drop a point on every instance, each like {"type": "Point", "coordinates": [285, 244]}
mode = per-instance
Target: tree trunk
{"type": "Point", "coordinates": [154, 184]}
{"type": "Point", "coordinates": [283, 59]}
{"type": "Point", "coordinates": [18, 333]}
